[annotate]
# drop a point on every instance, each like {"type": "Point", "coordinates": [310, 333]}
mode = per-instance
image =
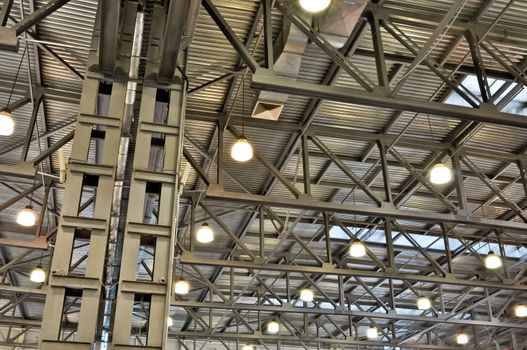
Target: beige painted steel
{"type": "Point", "coordinates": [159, 289]}
{"type": "Point", "coordinates": [90, 285]}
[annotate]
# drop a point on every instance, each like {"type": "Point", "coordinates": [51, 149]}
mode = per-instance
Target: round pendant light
{"type": "Point", "coordinates": [26, 217]}
{"type": "Point", "coordinates": [357, 249]}
{"type": "Point", "coordinates": [520, 310]}
{"type": "Point", "coordinates": [7, 125]}
{"type": "Point", "coordinates": [372, 333]}
{"type": "Point", "coordinates": [205, 234]}
{"type": "Point", "coordinates": [273, 327]}
{"type": "Point", "coordinates": [314, 6]}
{"type": "Point", "coordinates": [462, 339]}
{"type": "Point", "coordinates": [38, 275]}
{"type": "Point", "coordinates": [492, 261]}
{"type": "Point", "coordinates": [170, 322]}
{"type": "Point", "coordinates": [307, 295]}
{"type": "Point", "coordinates": [242, 151]}
{"type": "Point", "coordinates": [424, 303]}
{"type": "Point", "coordinates": [440, 174]}
{"type": "Point", "coordinates": [181, 287]}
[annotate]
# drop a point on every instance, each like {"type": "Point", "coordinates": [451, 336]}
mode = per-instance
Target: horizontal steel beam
{"type": "Point", "coordinates": [265, 80]}
{"type": "Point", "coordinates": [17, 321]}
{"type": "Point", "coordinates": [288, 308]}
{"type": "Point", "coordinates": [22, 290]}
{"type": "Point", "coordinates": [354, 134]}
{"type": "Point", "coordinates": [432, 20]}
{"type": "Point", "coordinates": [386, 210]}
{"type": "Point", "coordinates": [189, 258]}
{"type": "Point", "coordinates": [298, 340]}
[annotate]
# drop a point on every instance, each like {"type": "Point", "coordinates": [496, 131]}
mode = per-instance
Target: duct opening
{"type": "Point", "coordinates": [267, 110]}
{"type": "Point", "coordinates": [335, 25]}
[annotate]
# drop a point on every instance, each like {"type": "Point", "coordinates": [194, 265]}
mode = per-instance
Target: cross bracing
{"type": "Point", "coordinates": [412, 84]}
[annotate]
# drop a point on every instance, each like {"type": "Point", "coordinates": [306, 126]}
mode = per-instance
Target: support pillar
{"type": "Point", "coordinates": [160, 125]}
{"type": "Point", "coordinates": [71, 288]}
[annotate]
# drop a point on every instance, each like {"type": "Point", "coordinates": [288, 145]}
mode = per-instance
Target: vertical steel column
{"type": "Point", "coordinates": [89, 286]}
{"type": "Point", "coordinates": [165, 178]}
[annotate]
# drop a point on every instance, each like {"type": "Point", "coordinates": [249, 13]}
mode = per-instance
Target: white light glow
{"type": "Point", "coordinates": [520, 311]}
{"type": "Point", "coordinates": [7, 125]}
{"type": "Point", "coordinates": [273, 327]}
{"type": "Point", "coordinates": [181, 287]}
{"type": "Point", "coordinates": [26, 217]}
{"type": "Point", "coordinates": [440, 174]}
{"type": "Point", "coordinates": [314, 5]}
{"type": "Point", "coordinates": [170, 322]}
{"type": "Point", "coordinates": [205, 234]}
{"type": "Point", "coordinates": [357, 249]}
{"type": "Point", "coordinates": [248, 347]}
{"type": "Point", "coordinates": [462, 339]}
{"type": "Point", "coordinates": [242, 150]}
{"type": "Point", "coordinates": [38, 275]}
{"type": "Point", "coordinates": [424, 303]}
{"type": "Point", "coordinates": [306, 294]}
{"type": "Point", "coordinates": [492, 261]}
{"type": "Point", "coordinates": [372, 333]}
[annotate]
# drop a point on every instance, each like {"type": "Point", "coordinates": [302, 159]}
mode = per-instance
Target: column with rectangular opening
{"type": "Point", "coordinates": [145, 282]}
{"type": "Point", "coordinates": [75, 291]}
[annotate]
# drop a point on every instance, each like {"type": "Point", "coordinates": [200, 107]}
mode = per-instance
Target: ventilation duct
{"type": "Point", "coordinates": [340, 20]}
{"type": "Point", "coordinates": [335, 25]}
{"type": "Point", "coordinates": [289, 51]}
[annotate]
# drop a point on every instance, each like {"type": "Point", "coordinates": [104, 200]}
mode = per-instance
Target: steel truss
{"type": "Point", "coordinates": [320, 260]}
{"type": "Point", "coordinates": [378, 291]}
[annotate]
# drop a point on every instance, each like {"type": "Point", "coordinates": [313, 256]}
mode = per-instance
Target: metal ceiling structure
{"type": "Point", "coordinates": [125, 113]}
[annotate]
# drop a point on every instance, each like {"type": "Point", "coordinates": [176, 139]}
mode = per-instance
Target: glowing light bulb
{"type": "Point", "coordinates": [440, 174]}
{"type": "Point", "coordinates": [314, 5]}
{"type": "Point", "coordinates": [38, 275]}
{"type": "Point", "coordinates": [248, 347]}
{"type": "Point", "coordinates": [462, 339]}
{"type": "Point", "coordinates": [170, 322]}
{"type": "Point", "coordinates": [357, 249]}
{"type": "Point", "coordinates": [492, 261]}
{"type": "Point", "coordinates": [205, 234]}
{"type": "Point", "coordinates": [273, 327]}
{"type": "Point", "coordinates": [242, 150]}
{"type": "Point", "coordinates": [424, 303]}
{"type": "Point", "coordinates": [520, 310]}
{"type": "Point", "coordinates": [306, 295]}
{"type": "Point", "coordinates": [7, 125]}
{"type": "Point", "coordinates": [26, 217]}
{"type": "Point", "coordinates": [181, 287]}
{"type": "Point", "coordinates": [372, 333]}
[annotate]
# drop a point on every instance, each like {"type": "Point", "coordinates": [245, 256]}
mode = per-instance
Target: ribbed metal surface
{"type": "Point", "coordinates": [68, 33]}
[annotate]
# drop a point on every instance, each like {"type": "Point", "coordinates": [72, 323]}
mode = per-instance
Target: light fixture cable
{"type": "Point", "coordinates": [430, 127]}
{"type": "Point", "coordinates": [243, 106]}
{"type": "Point", "coordinates": [16, 79]}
